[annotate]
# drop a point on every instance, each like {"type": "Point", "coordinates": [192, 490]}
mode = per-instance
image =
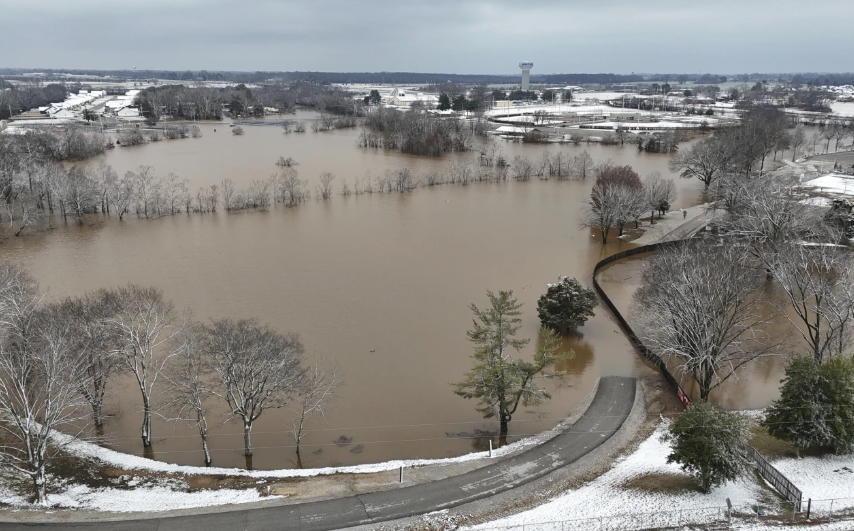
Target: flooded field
{"type": "Point", "coordinates": [377, 284]}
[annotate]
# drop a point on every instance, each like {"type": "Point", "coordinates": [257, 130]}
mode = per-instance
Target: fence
{"type": "Point", "coordinates": [775, 478]}
{"type": "Point", "coordinates": [647, 353]}
{"type": "Point", "coordinates": [768, 472]}
{"type": "Point", "coordinates": [703, 516]}
{"type": "Point", "coordinates": [830, 508]}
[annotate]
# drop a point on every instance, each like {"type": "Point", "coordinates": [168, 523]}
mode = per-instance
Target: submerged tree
{"type": "Point", "coordinates": [190, 383]}
{"type": "Point", "coordinates": [259, 368]}
{"type": "Point", "coordinates": [146, 327]}
{"type": "Point", "coordinates": [314, 395]}
{"type": "Point", "coordinates": [566, 305]}
{"type": "Point", "coordinates": [498, 381]}
{"type": "Point", "coordinates": [703, 314]}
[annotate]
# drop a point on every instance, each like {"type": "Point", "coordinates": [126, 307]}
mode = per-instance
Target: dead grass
{"type": "Point", "coordinates": [774, 448]}
{"type": "Point", "coordinates": [660, 482]}
{"type": "Point", "coordinates": [769, 446]}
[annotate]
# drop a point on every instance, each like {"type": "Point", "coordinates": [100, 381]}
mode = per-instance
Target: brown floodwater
{"type": "Point", "coordinates": [754, 385]}
{"type": "Point", "coordinates": [377, 284]}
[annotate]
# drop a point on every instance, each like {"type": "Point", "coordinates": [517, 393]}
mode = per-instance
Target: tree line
{"type": "Point", "coordinates": [57, 360]}
{"type": "Point", "coordinates": [207, 103]}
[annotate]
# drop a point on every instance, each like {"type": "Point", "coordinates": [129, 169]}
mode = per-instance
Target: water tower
{"type": "Point", "coordinates": [526, 67]}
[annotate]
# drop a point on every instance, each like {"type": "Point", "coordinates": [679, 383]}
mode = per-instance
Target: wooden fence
{"type": "Point", "coordinates": [775, 478]}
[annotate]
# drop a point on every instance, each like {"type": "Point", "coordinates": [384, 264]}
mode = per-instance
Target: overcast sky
{"type": "Point", "coordinates": [449, 36]}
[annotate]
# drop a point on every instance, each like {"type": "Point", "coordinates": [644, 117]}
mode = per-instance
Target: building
{"type": "Point", "coordinates": [526, 67]}
{"type": "Point", "coordinates": [405, 97]}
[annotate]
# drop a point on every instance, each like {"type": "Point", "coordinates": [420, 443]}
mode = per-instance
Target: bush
{"type": "Point", "coordinates": [816, 405]}
{"type": "Point", "coordinates": [707, 441]}
{"type": "Point", "coordinates": [237, 131]}
{"type": "Point", "coordinates": [566, 305]}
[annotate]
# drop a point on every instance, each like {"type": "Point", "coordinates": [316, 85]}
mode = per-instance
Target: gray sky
{"type": "Point", "coordinates": [451, 36]}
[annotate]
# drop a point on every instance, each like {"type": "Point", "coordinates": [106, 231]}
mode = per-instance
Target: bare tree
{"type": "Point", "coordinates": [701, 314]}
{"type": "Point", "coordinates": [796, 140]}
{"type": "Point", "coordinates": [602, 210]}
{"type": "Point", "coordinates": [324, 189]}
{"type": "Point", "coordinates": [39, 375]}
{"type": "Point", "coordinates": [190, 383]}
{"type": "Point", "coordinates": [706, 160]}
{"type": "Point", "coordinates": [583, 165]}
{"type": "Point", "coordinates": [146, 326]}
{"type": "Point", "coordinates": [228, 194]}
{"type": "Point", "coordinates": [817, 281]}
{"type": "Point", "coordinates": [290, 187]}
{"type": "Point", "coordinates": [259, 368]}
{"type": "Point", "coordinates": [93, 343]}
{"type": "Point", "coordinates": [660, 193]}
{"type": "Point", "coordinates": [313, 396]}
{"type": "Point", "coordinates": [521, 168]}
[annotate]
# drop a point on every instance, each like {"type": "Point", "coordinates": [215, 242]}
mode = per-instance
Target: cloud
{"type": "Point", "coordinates": [463, 36]}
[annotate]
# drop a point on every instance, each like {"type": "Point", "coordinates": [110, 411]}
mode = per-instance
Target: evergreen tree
{"type": "Point", "coordinates": [459, 103]}
{"type": "Point", "coordinates": [498, 381]}
{"type": "Point", "coordinates": [707, 441]}
{"type": "Point", "coordinates": [444, 102]}
{"type": "Point", "coordinates": [374, 97]}
{"type": "Point", "coordinates": [800, 415]}
{"type": "Point", "coordinates": [838, 376]}
{"type": "Point", "coordinates": [566, 305]}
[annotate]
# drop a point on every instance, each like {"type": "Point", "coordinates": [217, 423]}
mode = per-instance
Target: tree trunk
{"type": "Point", "coordinates": [97, 415]}
{"type": "Point", "coordinates": [39, 485]}
{"type": "Point", "coordinates": [146, 421]}
{"type": "Point", "coordinates": [247, 443]}
{"type": "Point", "coordinates": [206, 449]}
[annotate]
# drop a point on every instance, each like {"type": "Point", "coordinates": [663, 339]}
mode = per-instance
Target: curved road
{"type": "Point", "coordinates": [607, 412]}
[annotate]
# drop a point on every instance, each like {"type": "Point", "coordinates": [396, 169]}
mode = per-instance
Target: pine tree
{"type": "Point", "coordinates": [800, 415]}
{"type": "Point", "coordinates": [498, 381]}
{"type": "Point", "coordinates": [566, 305]}
{"type": "Point", "coordinates": [838, 375]}
{"type": "Point", "coordinates": [707, 442]}
{"type": "Point", "coordinates": [816, 406]}
{"type": "Point", "coordinates": [444, 102]}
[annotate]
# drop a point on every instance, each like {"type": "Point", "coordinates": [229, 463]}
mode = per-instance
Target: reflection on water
{"type": "Point", "coordinates": [380, 284]}
{"type": "Point", "coordinates": [754, 385]}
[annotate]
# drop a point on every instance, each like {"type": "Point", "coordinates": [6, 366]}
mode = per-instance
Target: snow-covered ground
{"type": "Point", "coordinates": [87, 450]}
{"type": "Point", "coordinates": [137, 499]}
{"type": "Point", "coordinates": [821, 478]}
{"type": "Point", "coordinates": [833, 183]}
{"type": "Point", "coordinates": [842, 108]}
{"type": "Point", "coordinates": [609, 497]}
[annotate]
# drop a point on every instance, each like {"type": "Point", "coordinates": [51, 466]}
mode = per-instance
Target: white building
{"type": "Point", "coordinates": [128, 112]}
{"type": "Point", "coordinates": [406, 97]}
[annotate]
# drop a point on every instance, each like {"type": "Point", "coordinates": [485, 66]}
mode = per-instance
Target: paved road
{"type": "Point", "coordinates": [689, 228]}
{"type": "Point", "coordinates": [607, 412]}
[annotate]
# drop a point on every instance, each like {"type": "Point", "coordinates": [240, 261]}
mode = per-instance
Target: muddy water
{"type": "Point", "coordinates": [753, 386]}
{"type": "Point", "coordinates": [377, 284]}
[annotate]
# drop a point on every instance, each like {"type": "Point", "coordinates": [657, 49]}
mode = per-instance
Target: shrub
{"type": "Point", "coordinates": [707, 441]}
{"type": "Point", "coordinates": [566, 305]}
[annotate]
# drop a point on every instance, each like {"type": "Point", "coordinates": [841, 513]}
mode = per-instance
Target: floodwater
{"type": "Point", "coordinates": [754, 385]}
{"type": "Point", "coordinates": [379, 285]}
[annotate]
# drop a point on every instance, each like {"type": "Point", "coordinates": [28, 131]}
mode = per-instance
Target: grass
{"type": "Point", "coordinates": [770, 446]}
{"type": "Point", "coordinates": [662, 482]}
{"type": "Point", "coordinates": [774, 448]}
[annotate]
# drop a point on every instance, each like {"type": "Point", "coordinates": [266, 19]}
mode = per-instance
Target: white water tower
{"type": "Point", "coordinates": [526, 67]}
